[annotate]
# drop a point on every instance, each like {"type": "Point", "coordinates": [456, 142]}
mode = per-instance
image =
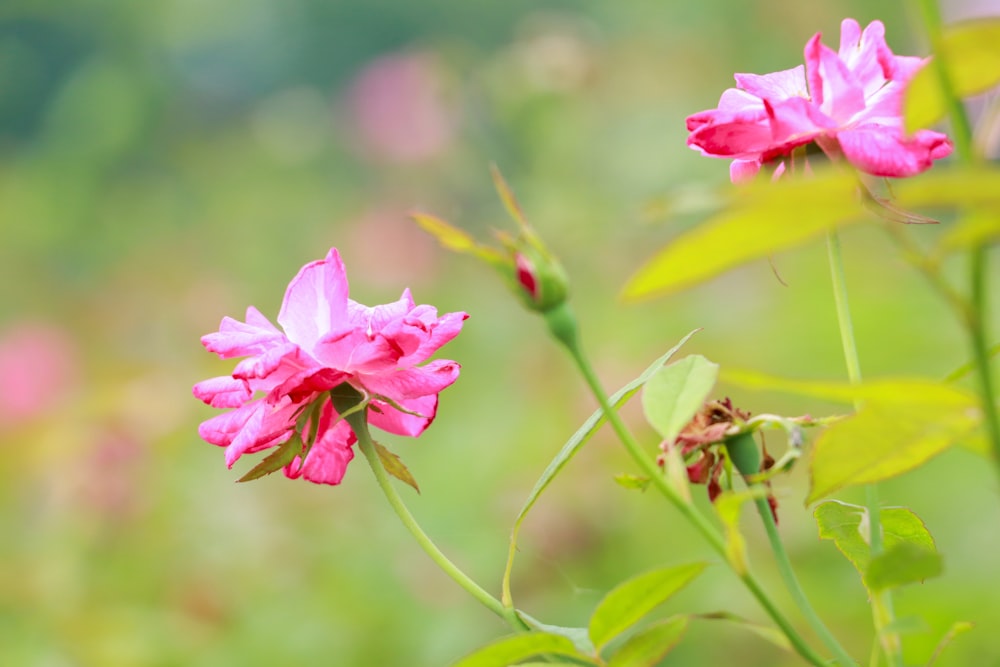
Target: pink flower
{"type": "Point", "coordinates": [848, 102]}
{"type": "Point", "coordinates": [279, 390]}
{"type": "Point", "coordinates": [38, 368]}
{"type": "Point", "coordinates": [401, 109]}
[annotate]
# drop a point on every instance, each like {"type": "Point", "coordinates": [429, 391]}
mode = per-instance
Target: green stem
{"type": "Point", "coordinates": [562, 323]}
{"type": "Point", "coordinates": [359, 423]}
{"type": "Point", "coordinates": [792, 582]}
{"type": "Point", "coordinates": [882, 610]}
{"type": "Point", "coordinates": [978, 264]}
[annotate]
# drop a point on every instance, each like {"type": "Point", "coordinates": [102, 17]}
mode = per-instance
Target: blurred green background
{"type": "Point", "coordinates": [165, 164]}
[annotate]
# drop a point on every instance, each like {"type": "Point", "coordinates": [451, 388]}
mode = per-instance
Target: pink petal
{"type": "Point", "coordinates": [306, 384]}
{"type": "Point", "coordinates": [221, 429]}
{"type": "Point", "coordinates": [236, 339]}
{"type": "Point", "coordinates": [429, 335]}
{"type": "Point", "coordinates": [266, 427]}
{"type": "Point", "coordinates": [393, 421]}
{"type": "Point", "coordinates": [265, 364]}
{"type": "Point", "coordinates": [413, 382]}
{"type": "Point", "coordinates": [315, 301]}
{"type": "Point", "coordinates": [739, 137]}
{"type": "Point", "coordinates": [882, 151]}
{"type": "Point", "coordinates": [862, 53]}
{"type": "Point", "coordinates": [355, 352]}
{"type": "Point", "coordinates": [776, 85]}
{"type": "Point", "coordinates": [743, 170]}
{"type": "Point", "coordinates": [223, 392]}
{"type": "Point", "coordinates": [833, 87]}
{"type": "Point", "coordinates": [327, 460]}
{"type": "Point", "coordinates": [373, 319]}
{"type": "Point", "coordinates": [793, 122]}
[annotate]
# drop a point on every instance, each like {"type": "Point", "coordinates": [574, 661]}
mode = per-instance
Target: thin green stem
{"type": "Point", "coordinates": [978, 264]}
{"type": "Point", "coordinates": [882, 610]}
{"type": "Point", "coordinates": [792, 582]}
{"type": "Point", "coordinates": [562, 323]}
{"type": "Point", "coordinates": [359, 424]}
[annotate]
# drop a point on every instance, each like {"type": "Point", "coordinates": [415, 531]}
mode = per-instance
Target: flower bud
{"type": "Point", "coordinates": [541, 281]}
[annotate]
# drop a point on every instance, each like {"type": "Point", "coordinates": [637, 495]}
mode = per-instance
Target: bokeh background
{"type": "Point", "coordinates": [165, 164]}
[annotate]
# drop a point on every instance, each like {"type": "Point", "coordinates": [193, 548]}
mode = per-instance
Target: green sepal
{"type": "Point", "coordinates": [276, 460]}
{"type": "Point", "coordinates": [395, 466]}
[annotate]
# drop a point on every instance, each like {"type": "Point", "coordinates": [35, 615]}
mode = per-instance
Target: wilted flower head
{"type": "Point", "coordinates": [281, 389]}
{"type": "Point", "coordinates": [849, 102]}
{"type": "Point", "coordinates": [702, 440]}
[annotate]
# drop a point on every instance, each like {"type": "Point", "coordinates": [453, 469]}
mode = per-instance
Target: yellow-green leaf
{"type": "Point", "coordinates": [971, 53]}
{"type": "Point", "coordinates": [631, 601]}
{"type": "Point", "coordinates": [886, 390]}
{"type": "Point", "coordinates": [647, 647]}
{"type": "Point", "coordinates": [766, 632]}
{"type": "Point", "coordinates": [677, 392]}
{"type": "Point", "coordinates": [847, 525]}
{"type": "Point", "coordinates": [454, 238]}
{"type": "Point", "coordinates": [728, 506]}
{"type": "Point", "coordinates": [763, 218]}
{"type": "Point", "coordinates": [901, 564]}
{"type": "Point", "coordinates": [514, 649]}
{"type": "Point", "coordinates": [885, 439]}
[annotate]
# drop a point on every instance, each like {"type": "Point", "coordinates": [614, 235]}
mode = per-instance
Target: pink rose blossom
{"type": "Point", "coordinates": [848, 102]}
{"type": "Point", "coordinates": [327, 339]}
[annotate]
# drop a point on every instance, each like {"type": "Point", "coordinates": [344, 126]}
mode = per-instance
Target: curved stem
{"type": "Point", "coordinates": [359, 423]}
{"type": "Point", "coordinates": [978, 264]}
{"type": "Point", "coordinates": [563, 326]}
{"type": "Point", "coordinates": [882, 610]}
{"type": "Point", "coordinates": [792, 582]}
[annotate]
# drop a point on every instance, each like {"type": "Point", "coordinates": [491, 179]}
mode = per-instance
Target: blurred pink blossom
{"type": "Point", "coordinates": [328, 339]}
{"type": "Point", "coordinates": [848, 102]}
{"type": "Point", "coordinates": [38, 366]}
{"type": "Point", "coordinates": [400, 109]}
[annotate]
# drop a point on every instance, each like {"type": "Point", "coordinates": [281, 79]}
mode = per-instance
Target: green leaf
{"type": "Point", "coordinates": [647, 647]}
{"type": "Point", "coordinates": [728, 506]}
{"type": "Point", "coordinates": [887, 391]}
{"type": "Point", "coordinates": [573, 445]}
{"type": "Point", "coordinates": [971, 53]}
{"type": "Point", "coordinates": [766, 632]}
{"type": "Point", "coordinates": [886, 439]}
{"type": "Point", "coordinates": [676, 393]}
{"type": "Point", "coordinates": [276, 460]}
{"type": "Point", "coordinates": [763, 218]}
{"type": "Point", "coordinates": [975, 228]}
{"type": "Point", "coordinates": [632, 600]}
{"type": "Point", "coordinates": [964, 187]}
{"type": "Point", "coordinates": [903, 563]}
{"type": "Point", "coordinates": [511, 650]}
{"type": "Point", "coordinates": [395, 467]}
{"type": "Point", "coordinates": [910, 554]}
{"type": "Point", "coordinates": [579, 636]}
